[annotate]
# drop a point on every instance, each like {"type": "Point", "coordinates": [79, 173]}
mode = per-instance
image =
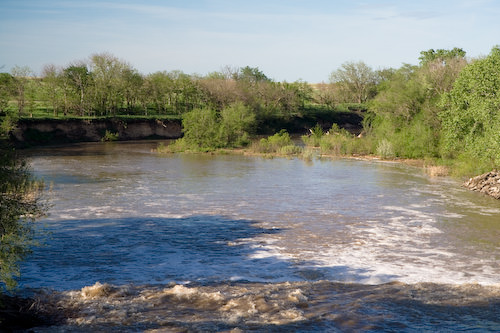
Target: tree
{"type": "Point", "coordinates": [206, 129]}
{"type": "Point", "coordinates": [132, 84]}
{"type": "Point", "coordinates": [78, 79]}
{"type": "Point", "coordinates": [251, 75]}
{"type": "Point", "coordinates": [201, 129]}
{"type": "Point", "coordinates": [236, 122]}
{"type": "Point", "coordinates": [6, 89]}
{"type": "Point", "coordinates": [108, 76]}
{"type": "Point", "coordinates": [160, 87]}
{"type": "Point", "coordinates": [220, 91]}
{"type": "Point", "coordinates": [52, 87]}
{"type": "Point", "coordinates": [20, 205]}
{"type": "Point", "coordinates": [471, 119]}
{"type": "Point", "coordinates": [440, 55]}
{"type": "Point", "coordinates": [21, 76]}
{"type": "Point", "coordinates": [357, 80]}
{"type": "Point", "coordinates": [325, 94]}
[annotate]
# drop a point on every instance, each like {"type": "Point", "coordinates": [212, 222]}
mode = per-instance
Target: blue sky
{"type": "Point", "coordinates": [287, 39]}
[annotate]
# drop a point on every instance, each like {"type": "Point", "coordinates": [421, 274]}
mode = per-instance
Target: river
{"type": "Point", "coordinates": [137, 241]}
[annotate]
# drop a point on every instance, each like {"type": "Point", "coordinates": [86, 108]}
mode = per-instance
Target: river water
{"type": "Point", "coordinates": [137, 241]}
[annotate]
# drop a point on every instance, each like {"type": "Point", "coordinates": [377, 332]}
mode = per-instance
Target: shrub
{"type": "Point", "coordinates": [279, 143]}
{"type": "Point", "coordinates": [206, 130]}
{"type": "Point", "coordinates": [109, 136]}
{"type": "Point", "coordinates": [385, 149]}
{"type": "Point", "coordinates": [314, 139]}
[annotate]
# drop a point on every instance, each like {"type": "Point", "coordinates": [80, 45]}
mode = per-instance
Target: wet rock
{"type": "Point", "coordinates": [488, 183]}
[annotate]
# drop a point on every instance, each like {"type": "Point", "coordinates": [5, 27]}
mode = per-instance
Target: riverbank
{"type": "Point", "coordinates": [37, 132]}
{"type": "Point", "coordinates": [487, 183]}
{"type": "Point", "coordinates": [19, 314]}
{"type": "Point", "coordinates": [32, 132]}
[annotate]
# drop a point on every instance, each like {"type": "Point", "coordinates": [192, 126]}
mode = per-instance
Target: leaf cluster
{"type": "Point", "coordinates": [20, 205]}
{"type": "Point", "coordinates": [471, 112]}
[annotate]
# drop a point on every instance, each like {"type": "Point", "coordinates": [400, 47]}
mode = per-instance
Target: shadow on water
{"type": "Point", "coordinates": [254, 290]}
{"type": "Point", "coordinates": [195, 249]}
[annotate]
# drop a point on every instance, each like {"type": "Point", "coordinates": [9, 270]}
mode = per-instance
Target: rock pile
{"type": "Point", "coordinates": [488, 183]}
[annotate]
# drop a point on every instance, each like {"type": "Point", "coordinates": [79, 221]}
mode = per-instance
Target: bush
{"type": "Point", "coordinates": [314, 139]}
{"type": "Point", "coordinates": [279, 143]}
{"type": "Point", "coordinates": [385, 149]}
{"type": "Point", "coordinates": [206, 130]}
{"type": "Point", "coordinates": [109, 136]}
{"type": "Point", "coordinates": [20, 205]}
{"type": "Point", "coordinates": [338, 141]}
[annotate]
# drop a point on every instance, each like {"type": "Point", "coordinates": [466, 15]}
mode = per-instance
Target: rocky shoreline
{"type": "Point", "coordinates": [487, 183]}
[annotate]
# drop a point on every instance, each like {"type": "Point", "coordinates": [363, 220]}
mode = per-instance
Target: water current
{"type": "Point", "coordinates": [137, 241]}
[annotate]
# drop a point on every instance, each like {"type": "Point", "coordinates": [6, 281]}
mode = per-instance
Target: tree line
{"type": "Point", "coordinates": [104, 85]}
{"type": "Point", "coordinates": [445, 107]}
{"type": "Point", "coordinates": [445, 110]}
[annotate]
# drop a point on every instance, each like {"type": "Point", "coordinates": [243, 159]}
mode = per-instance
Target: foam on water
{"type": "Point", "coordinates": [140, 218]}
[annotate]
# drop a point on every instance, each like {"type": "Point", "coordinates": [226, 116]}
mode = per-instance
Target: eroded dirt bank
{"type": "Point", "coordinates": [54, 131]}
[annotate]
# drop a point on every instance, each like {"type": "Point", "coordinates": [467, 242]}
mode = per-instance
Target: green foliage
{"type": "Point", "coordinates": [356, 80]}
{"type": "Point", "coordinates": [236, 121]}
{"type": "Point", "coordinates": [385, 149]}
{"type": "Point", "coordinates": [201, 128]}
{"type": "Point", "coordinates": [105, 86]}
{"type": "Point", "coordinates": [403, 118]}
{"type": "Point", "coordinates": [279, 143]}
{"type": "Point", "coordinates": [7, 124]}
{"type": "Point", "coordinates": [206, 129]}
{"type": "Point", "coordinates": [20, 205]}
{"type": "Point", "coordinates": [109, 136]}
{"type": "Point", "coordinates": [471, 119]}
{"type": "Point", "coordinates": [251, 74]}
{"type": "Point", "coordinates": [338, 142]}
{"type": "Point", "coordinates": [314, 139]}
{"type": "Point", "coordinates": [440, 55]}
{"type": "Point", "coordinates": [6, 90]}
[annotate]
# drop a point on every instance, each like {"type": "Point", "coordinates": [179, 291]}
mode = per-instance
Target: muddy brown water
{"type": "Point", "coordinates": [142, 242]}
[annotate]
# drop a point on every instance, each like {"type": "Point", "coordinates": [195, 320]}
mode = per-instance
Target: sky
{"type": "Point", "coordinates": [288, 40]}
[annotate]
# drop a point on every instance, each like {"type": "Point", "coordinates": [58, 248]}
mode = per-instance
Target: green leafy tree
{"type": "Point", "coordinates": [6, 90]}
{"type": "Point", "coordinates": [441, 55]}
{"type": "Point", "coordinates": [406, 106]}
{"type": "Point", "coordinates": [251, 75]}
{"type": "Point", "coordinates": [21, 78]}
{"type": "Point", "coordinates": [160, 88]}
{"type": "Point", "coordinates": [206, 129]}
{"type": "Point", "coordinates": [236, 121]}
{"type": "Point", "coordinates": [471, 119]}
{"type": "Point", "coordinates": [108, 81]}
{"type": "Point", "coordinates": [356, 80]}
{"type": "Point", "coordinates": [79, 80]}
{"type": "Point", "coordinates": [187, 93]}
{"type": "Point", "coordinates": [52, 87]}
{"type": "Point", "coordinates": [132, 85]}
{"type": "Point", "coordinates": [201, 129]}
